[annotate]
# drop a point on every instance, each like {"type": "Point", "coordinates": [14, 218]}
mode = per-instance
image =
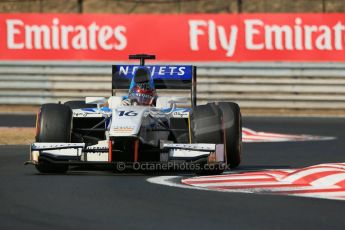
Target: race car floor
{"type": "Point", "coordinates": [89, 200]}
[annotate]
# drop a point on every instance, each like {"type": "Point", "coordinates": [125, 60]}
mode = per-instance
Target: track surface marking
{"type": "Point", "coordinates": [319, 181]}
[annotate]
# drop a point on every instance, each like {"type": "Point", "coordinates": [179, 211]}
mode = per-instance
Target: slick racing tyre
{"type": "Point", "coordinates": [207, 128]}
{"type": "Point", "coordinates": [232, 125]}
{"type": "Point", "coordinates": [54, 124]}
{"type": "Point", "coordinates": [78, 105]}
{"type": "Point", "coordinates": [206, 124]}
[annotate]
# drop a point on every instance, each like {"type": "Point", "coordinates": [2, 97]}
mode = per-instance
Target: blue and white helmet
{"type": "Point", "coordinates": [142, 90]}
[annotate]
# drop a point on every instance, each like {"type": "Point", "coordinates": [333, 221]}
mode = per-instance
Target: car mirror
{"type": "Point", "coordinates": [178, 100]}
{"type": "Point", "coordinates": [96, 101]}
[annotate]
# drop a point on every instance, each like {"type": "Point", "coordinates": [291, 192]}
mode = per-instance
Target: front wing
{"type": "Point", "coordinates": [78, 153]}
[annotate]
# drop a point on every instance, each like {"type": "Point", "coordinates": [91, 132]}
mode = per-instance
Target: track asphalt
{"type": "Point", "coordinates": [104, 200]}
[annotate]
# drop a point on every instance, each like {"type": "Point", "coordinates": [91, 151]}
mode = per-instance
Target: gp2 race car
{"type": "Point", "coordinates": [107, 132]}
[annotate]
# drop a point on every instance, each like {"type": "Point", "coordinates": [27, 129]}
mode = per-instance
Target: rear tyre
{"type": "Point", "coordinates": [207, 128]}
{"type": "Point", "coordinates": [54, 124]}
{"type": "Point", "coordinates": [232, 124]}
{"type": "Point", "coordinates": [78, 104]}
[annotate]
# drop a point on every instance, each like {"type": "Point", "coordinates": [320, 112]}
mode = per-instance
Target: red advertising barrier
{"type": "Point", "coordinates": [188, 37]}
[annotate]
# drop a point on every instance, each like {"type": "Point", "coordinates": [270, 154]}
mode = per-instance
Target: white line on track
{"type": "Point", "coordinates": [170, 181]}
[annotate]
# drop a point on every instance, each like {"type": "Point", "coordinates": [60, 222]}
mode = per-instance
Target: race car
{"type": "Point", "coordinates": [140, 127]}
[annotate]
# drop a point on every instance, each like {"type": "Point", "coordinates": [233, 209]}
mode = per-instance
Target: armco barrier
{"type": "Point", "coordinates": [254, 85]}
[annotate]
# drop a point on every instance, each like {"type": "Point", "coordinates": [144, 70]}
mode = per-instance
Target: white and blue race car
{"type": "Point", "coordinates": [100, 131]}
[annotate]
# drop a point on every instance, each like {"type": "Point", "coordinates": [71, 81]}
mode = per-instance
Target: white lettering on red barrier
{"type": "Point", "coordinates": [214, 32]}
{"type": "Point", "coordinates": [294, 37]}
{"type": "Point", "coordinates": [272, 37]}
{"type": "Point", "coordinates": [185, 37]}
{"type": "Point", "coordinates": [56, 36]}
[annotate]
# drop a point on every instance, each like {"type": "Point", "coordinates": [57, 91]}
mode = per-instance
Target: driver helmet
{"type": "Point", "coordinates": [142, 90]}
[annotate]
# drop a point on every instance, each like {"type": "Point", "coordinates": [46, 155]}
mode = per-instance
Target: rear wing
{"type": "Point", "coordinates": [178, 77]}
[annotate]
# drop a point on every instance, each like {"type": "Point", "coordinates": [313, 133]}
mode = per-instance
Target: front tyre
{"type": "Point", "coordinates": [206, 126]}
{"type": "Point", "coordinates": [54, 124]}
{"type": "Point", "coordinates": [232, 124]}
